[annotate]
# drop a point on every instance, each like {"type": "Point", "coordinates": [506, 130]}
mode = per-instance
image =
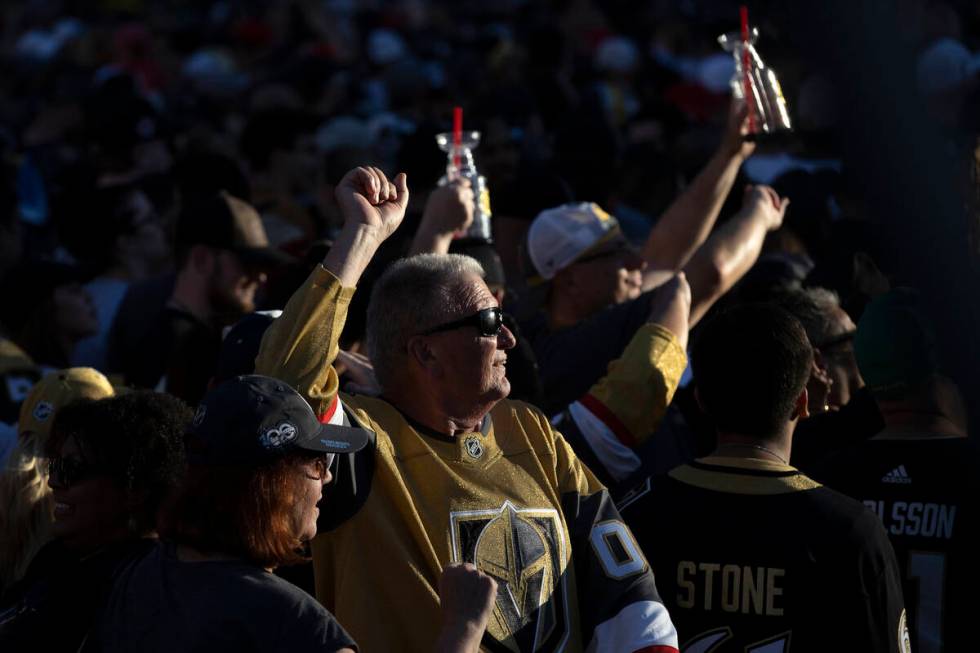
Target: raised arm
{"type": "Point", "coordinates": [301, 345]}
{"type": "Point", "coordinates": [372, 207]}
{"type": "Point", "coordinates": [607, 424]}
{"type": "Point", "coordinates": [689, 219]}
{"type": "Point", "coordinates": [733, 248]}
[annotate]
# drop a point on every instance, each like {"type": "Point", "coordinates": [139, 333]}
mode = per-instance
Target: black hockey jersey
{"type": "Point", "coordinates": [924, 491]}
{"type": "Point", "coordinates": [752, 555]}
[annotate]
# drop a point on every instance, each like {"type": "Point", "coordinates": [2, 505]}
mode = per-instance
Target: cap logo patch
{"type": "Point", "coordinates": [43, 411]}
{"type": "Point", "coordinates": [202, 410]}
{"type": "Point", "coordinates": [473, 447]}
{"type": "Point", "coordinates": [279, 436]}
{"type": "Point", "coordinates": [337, 444]}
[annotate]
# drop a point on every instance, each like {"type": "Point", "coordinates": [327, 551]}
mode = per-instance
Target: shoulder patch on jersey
{"type": "Point", "coordinates": [904, 641]}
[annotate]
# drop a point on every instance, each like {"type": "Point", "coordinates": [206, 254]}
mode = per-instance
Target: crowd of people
{"type": "Point", "coordinates": [263, 390]}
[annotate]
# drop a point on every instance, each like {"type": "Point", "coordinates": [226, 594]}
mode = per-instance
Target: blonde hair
{"type": "Point", "coordinates": [25, 507]}
{"type": "Point", "coordinates": [25, 498]}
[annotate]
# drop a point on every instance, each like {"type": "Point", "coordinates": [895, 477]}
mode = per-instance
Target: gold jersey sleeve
{"type": "Point", "coordinates": [301, 345]}
{"type": "Point", "coordinates": [640, 384]}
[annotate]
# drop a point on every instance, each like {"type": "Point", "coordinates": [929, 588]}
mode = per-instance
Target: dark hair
{"type": "Point", "coordinates": [136, 438]}
{"type": "Point", "coordinates": [751, 363]}
{"type": "Point", "coordinates": [269, 131]}
{"type": "Point", "coordinates": [201, 172]}
{"type": "Point", "coordinates": [91, 219]}
{"type": "Point", "coordinates": [242, 511]}
{"type": "Point", "coordinates": [28, 308]}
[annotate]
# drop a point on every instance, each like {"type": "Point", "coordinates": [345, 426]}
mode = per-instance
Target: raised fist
{"type": "Point", "coordinates": [366, 197]}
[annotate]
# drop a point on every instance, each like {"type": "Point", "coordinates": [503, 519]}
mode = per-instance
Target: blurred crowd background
{"type": "Point", "coordinates": [114, 115]}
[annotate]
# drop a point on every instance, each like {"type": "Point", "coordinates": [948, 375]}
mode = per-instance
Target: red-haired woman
{"type": "Point", "coordinates": [258, 460]}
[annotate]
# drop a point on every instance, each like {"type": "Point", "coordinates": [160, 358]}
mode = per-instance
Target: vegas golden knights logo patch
{"type": "Point", "coordinates": [523, 550]}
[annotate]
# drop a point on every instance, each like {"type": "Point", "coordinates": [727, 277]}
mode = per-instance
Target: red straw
{"type": "Point", "coordinates": [457, 134]}
{"type": "Point", "coordinates": [746, 84]}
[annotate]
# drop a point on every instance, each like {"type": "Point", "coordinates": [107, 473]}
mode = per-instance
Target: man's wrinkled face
{"type": "Point", "coordinates": [472, 369]}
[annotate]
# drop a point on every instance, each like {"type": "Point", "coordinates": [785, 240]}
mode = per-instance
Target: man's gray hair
{"type": "Point", "coordinates": [816, 309]}
{"type": "Point", "coordinates": [414, 294]}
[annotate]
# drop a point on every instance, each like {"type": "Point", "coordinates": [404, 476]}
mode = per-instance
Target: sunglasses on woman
{"type": "Point", "coordinates": [489, 321]}
{"type": "Point", "coordinates": [68, 471]}
{"type": "Point", "coordinates": [321, 467]}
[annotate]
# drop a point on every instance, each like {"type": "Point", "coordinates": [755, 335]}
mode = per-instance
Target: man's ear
{"type": "Point", "coordinates": [566, 280]}
{"type": "Point", "coordinates": [202, 259]}
{"type": "Point", "coordinates": [422, 354]}
{"type": "Point", "coordinates": [801, 409]}
{"type": "Point", "coordinates": [819, 359]}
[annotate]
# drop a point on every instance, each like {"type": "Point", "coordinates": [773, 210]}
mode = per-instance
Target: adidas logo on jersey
{"type": "Point", "coordinates": [897, 475]}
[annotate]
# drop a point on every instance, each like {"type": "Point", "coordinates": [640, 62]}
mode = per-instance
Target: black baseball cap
{"type": "Point", "coordinates": [250, 420]}
{"type": "Point", "coordinates": [223, 221]}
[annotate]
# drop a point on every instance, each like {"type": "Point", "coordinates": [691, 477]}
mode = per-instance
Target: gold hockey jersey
{"type": "Point", "coordinates": [512, 499]}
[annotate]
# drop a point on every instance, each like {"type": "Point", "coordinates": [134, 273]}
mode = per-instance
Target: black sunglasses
{"type": "Point", "coordinates": [489, 321]}
{"type": "Point", "coordinates": [617, 250]}
{"type": "Point", "coordinates": [837, 340]}
{"type": "Point", "coordinates": [68, 471]}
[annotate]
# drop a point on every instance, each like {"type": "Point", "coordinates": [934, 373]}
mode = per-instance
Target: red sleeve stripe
{"type": "Point", "coordinates": [328, 413]}
{"type": "Point", "coordinates": [609, 418]}
{"type": "Point", "coordinates": [656, 649]}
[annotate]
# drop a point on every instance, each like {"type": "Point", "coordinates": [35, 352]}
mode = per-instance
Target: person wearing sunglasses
{"type": "Point", "coordinates": [455, 473]}
{"type": "Point", "coordinates": [111, 464]}
{"type": "Point", "coordinates": [25, 497]}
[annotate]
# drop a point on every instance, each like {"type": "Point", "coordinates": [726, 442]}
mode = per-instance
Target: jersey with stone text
{"type": "Point", "coordinates": [753, 556]}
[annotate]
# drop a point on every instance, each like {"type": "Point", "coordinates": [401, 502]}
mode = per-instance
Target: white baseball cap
{"type": "Point", "coordinates": [559, 236]}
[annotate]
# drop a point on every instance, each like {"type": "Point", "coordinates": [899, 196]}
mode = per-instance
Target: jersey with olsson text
{"type": "Point", "coordinates": [754, 556]}
{"type": "Point", "coordinates": [924, 489]}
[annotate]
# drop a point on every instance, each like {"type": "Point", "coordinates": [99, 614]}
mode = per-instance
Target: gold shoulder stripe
{"type": "Point", "coordinates": [740, 480]}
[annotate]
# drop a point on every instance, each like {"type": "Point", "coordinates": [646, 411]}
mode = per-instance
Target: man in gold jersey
{"type": "Point", "coordinates": [454, 473]}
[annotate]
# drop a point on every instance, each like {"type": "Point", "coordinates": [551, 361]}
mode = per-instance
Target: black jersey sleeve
{"type": "Point", "coordinates": [872, 608]}
{"type": "Point", "coordinates": [620, 608]}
